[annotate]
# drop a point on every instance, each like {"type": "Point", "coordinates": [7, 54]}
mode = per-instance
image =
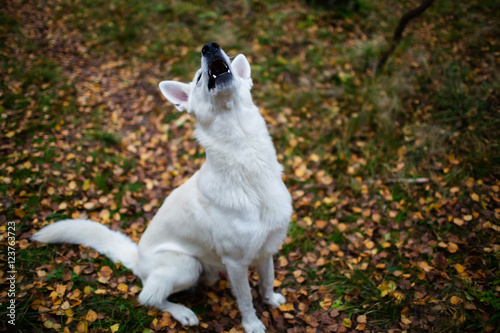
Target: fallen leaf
{"type": "Point", "coordinates": [459, 268]}
{"type": "Point", "coordinates": [19, 213]}
{"type": "Point", "coordinates": [452, 247]}
{"type": "Point", "coordinates": [91, 316]}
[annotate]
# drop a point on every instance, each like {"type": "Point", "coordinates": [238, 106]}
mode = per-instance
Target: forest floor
{"type": "Point", "coordinates": [395, 177]}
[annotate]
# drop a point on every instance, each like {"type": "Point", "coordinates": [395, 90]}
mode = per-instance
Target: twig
{"type": "Point", "coordinates": [420, 180]}
{"type": "Point", "coordinates": [398, 33]}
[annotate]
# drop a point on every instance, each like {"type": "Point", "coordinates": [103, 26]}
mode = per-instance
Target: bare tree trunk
{"type": "Point", "coordinates": [398, 33]}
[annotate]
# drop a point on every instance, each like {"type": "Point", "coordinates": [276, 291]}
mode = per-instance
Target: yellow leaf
{"type": "Point", "coordinates": [386, 288]}
{"type": "Point", "coordinates": [122, 287]}
{"type": "Point", "coordinates": [361, 319]}
{"type": "Point", "coordinates": [91, 316]}
{"type": "Point", "coordinates": [455, 300]}
{"type": "Point", "coordinates": [459, 268]}
{"type": "Point", "coordinates": [392, 285]}
{"type": "Point", "coordinates": [474, 197]}
{"type": "Point", "coordinates": [405, 320]}
{"type": "Point", "coordinates": [86, 185]}
{"type": "Point", "coordinates": [347, 322]}
{"type": "Point", "coordinates": [314, 157]}
{"type": "Point", "coordinates": [213, 297]}
{"type": "Point", "coordinates": [115, 328]}
{"type": "Point", "coordinates": [397, 295]}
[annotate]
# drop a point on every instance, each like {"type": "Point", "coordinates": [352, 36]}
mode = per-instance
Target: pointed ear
{"type": "Point", "coordinates": [241, 67]}
{"type": "Point", "coordinates": [176, 92]}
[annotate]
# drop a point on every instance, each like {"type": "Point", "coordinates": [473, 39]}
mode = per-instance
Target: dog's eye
{"type": "Point", "coordinates": [198, 79]}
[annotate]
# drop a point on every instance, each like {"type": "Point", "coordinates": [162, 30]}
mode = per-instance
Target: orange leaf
{"type": "Point", "coordinates": [91, 316]}
{"type": "Point", "coordinates": [452, 247]}
{"type": "Point", "coordinates": [286, 307]}
{"type": "Point", "coordinates": [19, 213]}
{"type": "Point", "coordinates": [82, 327]}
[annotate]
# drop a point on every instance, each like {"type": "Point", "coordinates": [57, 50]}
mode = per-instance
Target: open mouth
{"type": "Point", "coordinates": [217, 68]}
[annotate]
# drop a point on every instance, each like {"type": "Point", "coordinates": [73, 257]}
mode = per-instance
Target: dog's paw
{"type": "Point", "coordinates": [182, 314]}
{"type": "Point", "coordinates": [275, 300]}
{"type": "Point", "coordinates": [254, 325]}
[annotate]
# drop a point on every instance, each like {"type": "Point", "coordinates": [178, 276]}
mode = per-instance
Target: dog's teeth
{"type": "Point", "coordinates": [214, 76]}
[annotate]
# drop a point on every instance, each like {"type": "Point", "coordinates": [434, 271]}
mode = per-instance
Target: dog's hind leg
{"type": "Point", "coordinates": [181, 273]}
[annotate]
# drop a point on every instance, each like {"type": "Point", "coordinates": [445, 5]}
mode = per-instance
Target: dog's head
{"type": "Point", "coordinates": [219, 83]}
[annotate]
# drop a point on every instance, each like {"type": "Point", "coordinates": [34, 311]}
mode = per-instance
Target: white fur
{"type": "Point", "coordinates": [233, 213]}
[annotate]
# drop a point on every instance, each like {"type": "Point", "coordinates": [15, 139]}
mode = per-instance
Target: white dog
{"type": "Point", "coordinates": [233, 213]}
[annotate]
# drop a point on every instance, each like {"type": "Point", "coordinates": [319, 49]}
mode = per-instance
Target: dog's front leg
{"type": "Point", "coordinates": [238, 275]}
{"type": "Point", "coordinates": [266, 283]}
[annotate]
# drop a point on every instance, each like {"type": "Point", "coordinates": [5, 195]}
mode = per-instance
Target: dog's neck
{"type": "Point", "coordinates": [241, 160]}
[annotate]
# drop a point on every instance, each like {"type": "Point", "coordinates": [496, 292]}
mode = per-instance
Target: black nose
{"type": "Point", "coordinates": [210, 48]}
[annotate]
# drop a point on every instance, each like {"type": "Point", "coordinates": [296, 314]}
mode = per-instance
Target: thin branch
{"type": "Point", "coordinates": [398, 33]}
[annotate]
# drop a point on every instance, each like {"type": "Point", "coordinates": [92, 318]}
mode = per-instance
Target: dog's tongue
{"type": "Point", "coordinates": [218, 67]}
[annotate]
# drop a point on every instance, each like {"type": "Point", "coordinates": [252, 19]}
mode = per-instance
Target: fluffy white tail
{"type": "Point", "coordinates": [114, 244]}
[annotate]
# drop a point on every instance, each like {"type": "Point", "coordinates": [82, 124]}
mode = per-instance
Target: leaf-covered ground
{"type": "Point", "coordinates": [395, 177]}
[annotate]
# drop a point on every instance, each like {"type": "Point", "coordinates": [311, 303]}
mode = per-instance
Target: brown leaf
{"type": "Point", "coordinates": [440, 261]}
